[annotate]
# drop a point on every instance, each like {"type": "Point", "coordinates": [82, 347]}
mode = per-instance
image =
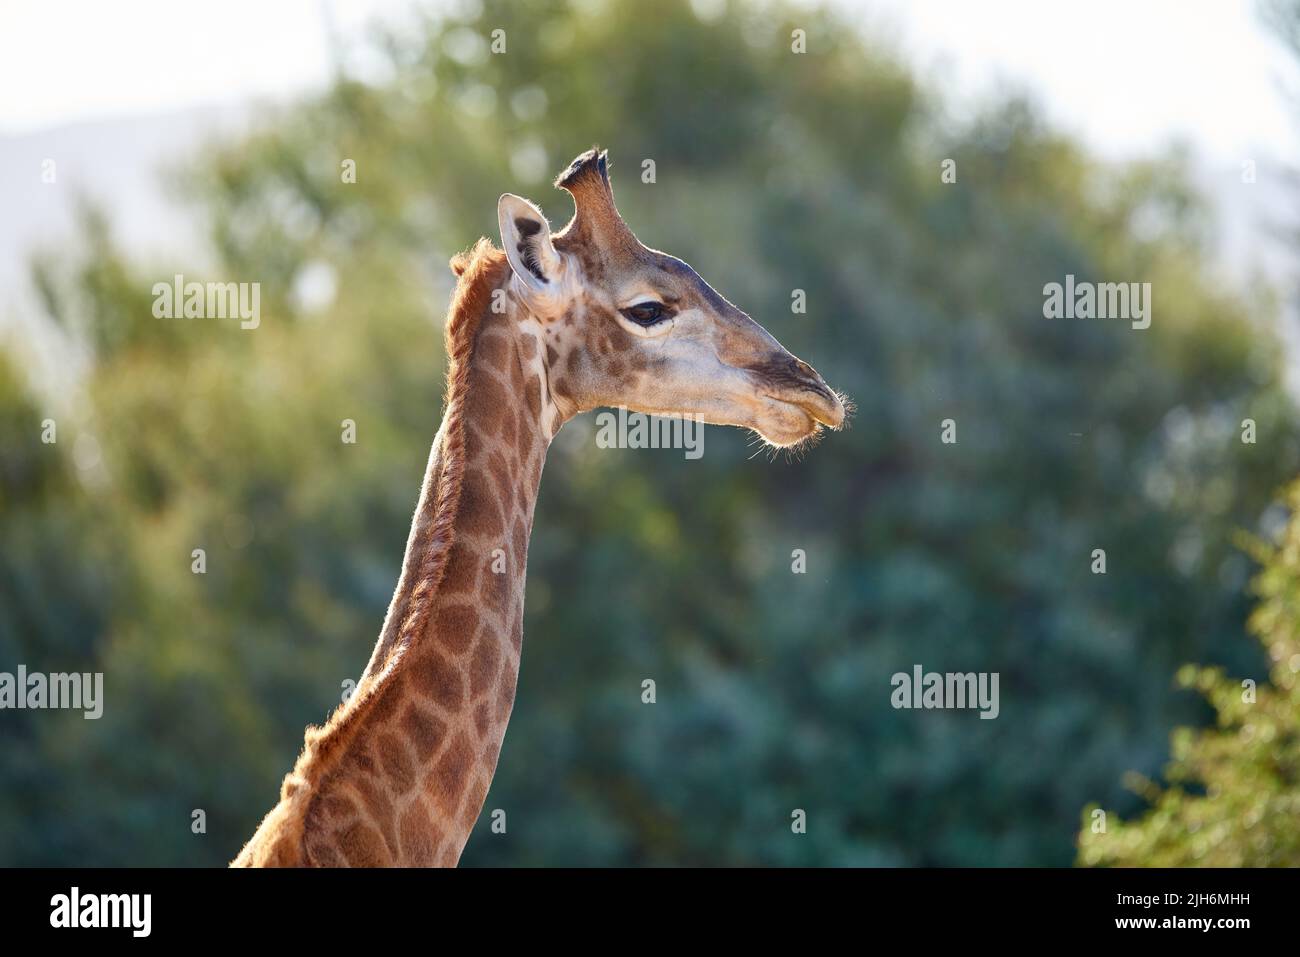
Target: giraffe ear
{"type": "Point", "coordinates": [526, 236]}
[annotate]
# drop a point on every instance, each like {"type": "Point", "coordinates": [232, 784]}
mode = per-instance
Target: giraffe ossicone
{"type": "Point", "coordinates": [398, 774]}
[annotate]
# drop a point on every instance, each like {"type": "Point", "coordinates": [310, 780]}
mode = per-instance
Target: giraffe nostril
{"type": "Point", "coordinates": [810, 379]}
{"type": "Point", "coordinates": [788, 374]}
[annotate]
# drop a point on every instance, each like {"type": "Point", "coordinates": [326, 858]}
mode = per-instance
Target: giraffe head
{"type": "Point", "coordinates": [626, 325]}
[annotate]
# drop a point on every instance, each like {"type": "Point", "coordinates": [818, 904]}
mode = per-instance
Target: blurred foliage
{"type": "Point", "coordinates": [1233, 798]}
{"type": "Point", "coordinates": [1231, 793]}
{"type": "Point", "coordinates": [775, 171]}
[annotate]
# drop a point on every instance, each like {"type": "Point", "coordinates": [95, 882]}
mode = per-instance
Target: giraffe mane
{"type": "Point", "coordinates": [479, 270]}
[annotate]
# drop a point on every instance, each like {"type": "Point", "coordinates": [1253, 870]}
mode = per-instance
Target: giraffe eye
{"type": "Point", "coordinates": [646, 313]}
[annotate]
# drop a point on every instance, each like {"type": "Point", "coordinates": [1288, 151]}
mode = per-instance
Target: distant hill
{"type": "Point", "coordinates": [117, 162]}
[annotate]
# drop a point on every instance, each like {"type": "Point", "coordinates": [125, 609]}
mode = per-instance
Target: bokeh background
{"type": "Point", "coordinates": [775, 171]}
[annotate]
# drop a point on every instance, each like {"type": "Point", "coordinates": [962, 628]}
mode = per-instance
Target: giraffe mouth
{"type": "Point", "coordinates": [798, 400]}
{"type": "Point", "coordinates": [821, 406]}
{"type": "Point", "coordinates": [792, 418]}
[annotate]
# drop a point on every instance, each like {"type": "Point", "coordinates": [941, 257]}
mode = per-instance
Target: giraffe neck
{"type": "Point", "coordinates": [509, 419]}
{"type": "Point", "coordinates": [399, 774]}
{"type": "Point", "coordinates": [461, 677]}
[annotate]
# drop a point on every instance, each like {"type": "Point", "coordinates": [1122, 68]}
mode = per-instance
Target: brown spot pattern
{"type": "Point", "coordinates": [440, 680]}
{"type": "Point", "coordinates": [444, 782]}
{"type": "Point", "coordinates": [424, 730]}
{"type": "Point", "coordinates": [483, 665]}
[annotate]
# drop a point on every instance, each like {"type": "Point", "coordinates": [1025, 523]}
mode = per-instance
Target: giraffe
{"type": "Point", "coordinates": [548, 327]}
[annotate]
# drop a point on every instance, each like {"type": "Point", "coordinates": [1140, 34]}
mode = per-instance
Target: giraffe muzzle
{"type": "Point", "coordinates": [820, 401]}
{"type": "Point", "coordinates": [794, 382]}
{"type": "Point", "coordinates": [821, 405]}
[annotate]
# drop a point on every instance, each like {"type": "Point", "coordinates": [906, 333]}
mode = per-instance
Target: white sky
{"type": "Point", "coordinates": [67, 60]}
{"type": "Point", "coordinates": [1124, 74]}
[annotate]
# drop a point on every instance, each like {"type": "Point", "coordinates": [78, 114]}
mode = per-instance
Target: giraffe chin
{"type": "Point", "coordinates": [784, 423]}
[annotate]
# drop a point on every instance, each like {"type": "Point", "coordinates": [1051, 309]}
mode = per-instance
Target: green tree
{"type": "Point", "coordinates": [1233, 792]}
